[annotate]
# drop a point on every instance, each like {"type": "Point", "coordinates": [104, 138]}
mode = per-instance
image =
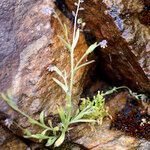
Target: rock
{"type": "Point", "coordinates": [144, 16]}
{"type": "Point", "coordinates": [147, 2]}
{"type": "Point", "coordinates": [131, 16]}
{"type": "Point", "coordinates": [145, 145]}
{"type": "Point", "coordinates": [29, 45]}
{"type": "Point", "coordinates": [125, 60]}
{"type": "Point", "coordinates": [14, 145]}
{"type": "Point", "coordinates": [106, 137]}
{"type": "Point", "coordinates": [102, 138]}
{"type": "Point", "coordinates": [8, 141]}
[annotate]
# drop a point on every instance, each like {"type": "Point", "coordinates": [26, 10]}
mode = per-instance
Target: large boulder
{"type": "Point", "coordinates": [29, 44]}
{"type": "Point", "coordinates": [126, 59]}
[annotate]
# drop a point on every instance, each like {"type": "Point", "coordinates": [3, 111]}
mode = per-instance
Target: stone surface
{"type": "Point", "coordinates": [29, 43]}
{"type": "Point", "coordinates": [10, 142]}
{"type": "Point", "coordinates": [37, 47]}
{"type": "Point", "coordinates": [134, 17]}
{"type": "Point", "coordinates": [14, 144]}
{"type": "Point", "coordinates": [126, 58]}
{"type": "Point", "coordinates": [106, 137]}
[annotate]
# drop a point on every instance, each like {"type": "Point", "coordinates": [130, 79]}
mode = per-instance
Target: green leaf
{"type": "Point", "coordinates": [62, 115]}
{"type": "Point", "coordinates": [66, 32]}
{"type": "Point", "coordinates": [91, 48]}
{"type": "Point", "coordinates": [75, 41]}
{"type": "Point", "coordinates": [44, 132]}
{"type": "Point", "coordinates": [61, 85]}
{"type": "Point", "coordinates": [32, 121]}
{"type": "Point", "coordinates": [27, 132]}
{"type": "Point", "coordinates": [51, 140]}
{"type": "Point", "coordinates": [57, 70]}
{"type": "Point", "coordinates": [56, 128]}
{"type": "Point", "coordinates": [9, 101]}
{"type": "Point", "coordinates": [82, 113]}
{"type": "Point", "coordinates": [83, 120]}
{"type": "Point", "coordinates": [9, 95]}
{"type": "Point", "coordinates": [39, 136]}
{"type": "Point", "coordinates": [84, 64]}
{"type": "Point", "coordinates": [77, 112]}
{"type": "Point", "coordinates": [42, 117]}
{"type": "Point", "coordinates": [50, 123]}
{"type": "Point", "coordinates": [60, 140]}
{"type": "Point", "coordinates": [66, 44]}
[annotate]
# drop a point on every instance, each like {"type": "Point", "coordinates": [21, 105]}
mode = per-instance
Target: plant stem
{"type": "Point", "coordinates": [72, 61]}
{"type": "Point", "coordinates": [75, 21]}
{"type": "Point", "coordinates": [83, 65]}
{"type": "Point", "coordinates": [72, 50]}
{"type": "Point", "coordinates": [69, 97]}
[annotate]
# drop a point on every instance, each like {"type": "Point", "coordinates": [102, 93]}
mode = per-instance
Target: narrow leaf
{"type": "Point", "coordinates": [51, 140]}
{"type": "Point", "coordinates": [75, 41]}
{"type": "Point", "coordinates": [85, 111]}
{"type": "Point", "coordinates": [39, 136]}
{"type": "Point", "coordinates": [42, 117]}
{"type": "Point", "coordinates": [83, 120]}
{"type": "Point", "coordinates": [27, 132]}
{"type": "Point", "coordinates": [60, 140]}
{"type": "Point", "coordinates": [91, 48]}
{"type": "Point", "coordinates": [50, 123]}
{"type": "Point", "coordinates": [62, 115]}
{"type": "Point", "coordinates": [61, 84]}
{"type": "Point", "coordinates": [9, 101]}
{"type": "Point", "coordinates": [44, 132]}
{"type": "Point", "coordinates": [66, 44]}
{"type": "Point", "coordinates": [56, 69]}
{"type": "Point", "coordinates": [85, 64]}
{"type": "Point", "coordinates": [32, 121]}
{"type": "Point", "coordinates": [66, 31]}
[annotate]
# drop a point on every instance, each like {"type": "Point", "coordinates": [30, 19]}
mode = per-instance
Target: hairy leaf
{"type": "Point", "coordinates": [74, 44]}
{"type": "Point", "coordinates": [61, 85]}
{"type": "Point", "coordinates": [91, 48]}
{"type": "Point", "coordinates": [42, 117]}
{"type": "Point", "coordinates": [39, 136]}
{"type": "Point", "coordinates": [66, 44]}
{"type": "Point", "coordinates": [60, 140]}
{"type": "Point", "coordinates": [62, 115]}
{"type": "Point", "coordinates": [51, 140]}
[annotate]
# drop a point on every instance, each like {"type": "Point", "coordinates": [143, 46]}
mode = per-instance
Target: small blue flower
{"type": "Point", "coordinates": [51, 68]}
{"type": "Point", "coordinates": [103, 44]}
{"type": "Point", "coordinates": [8, 122]}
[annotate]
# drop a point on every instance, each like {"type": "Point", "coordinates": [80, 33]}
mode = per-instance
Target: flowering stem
{"type": "Point", "coordinates": [75, 21]}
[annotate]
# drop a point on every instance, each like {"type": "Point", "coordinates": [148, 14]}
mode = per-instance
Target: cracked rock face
{"type": "Point", "coordinates": [125, 60]}
{"type": "Point", "coordinates": [132, 18]}
{"type": "Point", "coordinates": [29, 43]}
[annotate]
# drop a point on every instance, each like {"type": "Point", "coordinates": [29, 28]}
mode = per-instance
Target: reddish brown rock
{"type": "Point", "coordinates": [144, 16]}
{"type": "Point", "coordinates": [107, 137]}
{"type": "Point", "coordinates": [117, 59]}
{"type": "Point", "coordinates": [147, 2]}
{"type": "Point", "coordinates": [8, 141]}
{"type": "Point", "coordinates": [29, 45]}
{"type": "Point", "coordinates": [14, 144]}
